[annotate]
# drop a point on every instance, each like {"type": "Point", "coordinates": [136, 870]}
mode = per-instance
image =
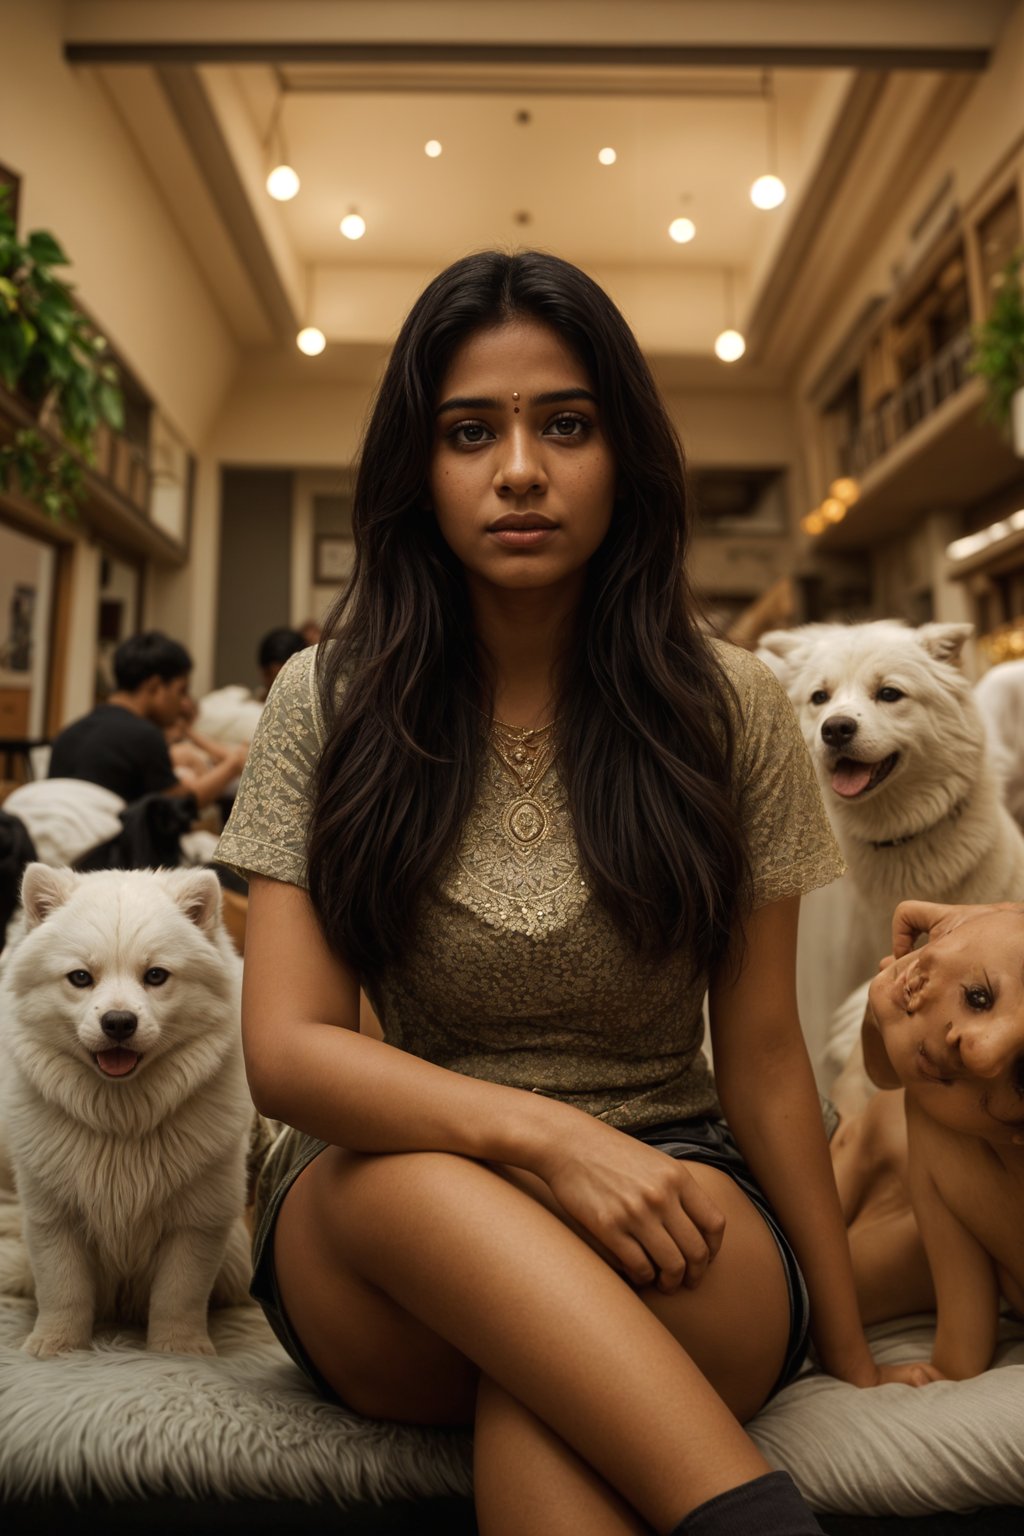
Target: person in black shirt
{"type": "Point", "coordinates": [121, 745]}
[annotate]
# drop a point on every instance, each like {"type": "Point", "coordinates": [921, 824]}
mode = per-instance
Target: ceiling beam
{"type": "Point", "coordinates": [806, 55]}
{"type": "Point", "coordinates": [843, 31]}
{"type": "Point", "coordinates": [202, 131]}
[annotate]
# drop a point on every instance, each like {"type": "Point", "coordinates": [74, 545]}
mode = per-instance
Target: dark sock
{"type": "Point", "coordinates": [769, 1506]}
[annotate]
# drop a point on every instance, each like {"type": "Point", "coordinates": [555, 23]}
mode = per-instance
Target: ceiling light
{"type": "Point", "coordinates": [432, 148]}
{"type": "Point", "coordinates": [767, 192]}
{"type": "Point", "coordinates": [729, 343]}
{"type": "Point", "coordinates": [607, 156]}
{"type": "Point", "coordinates": [353, 226]}
{"type": "Point", "coordinates": [729, 346]}
{"type": "Point", "coordinates": [311, 340]}
{"type": "Point", "coordinates": [283, 183]}
{"type": "Point", "coordinates": [682, 231]}
{"type": "Point", "coordinates": [813, 523]}
{"type": "Point", "coordinates": [833, 510]}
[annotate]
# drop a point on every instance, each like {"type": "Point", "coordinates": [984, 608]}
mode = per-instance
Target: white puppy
{"type": "Point", "coordinates": [126, 1110]}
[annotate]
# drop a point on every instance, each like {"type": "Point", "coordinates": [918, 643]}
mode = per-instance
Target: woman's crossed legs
{"type": "Point", "coordinates": [429, 1288]}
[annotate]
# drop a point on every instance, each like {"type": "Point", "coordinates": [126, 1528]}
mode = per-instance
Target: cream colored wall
{"type": "Point", "coordinates": [742, 430]}
{"type": "Point", "coordinates": [83, 179]}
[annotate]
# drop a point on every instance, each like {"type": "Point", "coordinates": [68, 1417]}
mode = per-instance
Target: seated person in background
{"type": "Point", "coordinates": [231, 714]}
{"type": "Point", "coordinates": [946, 1025]}
{"type": "Point", "coordinates": [120, 744]}
{"type": "Point", "coordinates": [275, 649]}
{"type": "Point", "coordinates": [192, 755]}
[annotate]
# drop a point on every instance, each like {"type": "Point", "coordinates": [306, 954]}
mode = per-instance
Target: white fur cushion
{"type": "Point", "coordinates": [900, 1450]}
{"type": "Point", "coordinates": [120, 1422]}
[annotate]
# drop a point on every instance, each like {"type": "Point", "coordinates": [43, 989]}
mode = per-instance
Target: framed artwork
{"type": "Point", "coordinates": [333, 555]}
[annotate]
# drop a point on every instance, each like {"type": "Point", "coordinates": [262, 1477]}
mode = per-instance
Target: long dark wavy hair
{"type": "Point", "coordinates": [644, 736]}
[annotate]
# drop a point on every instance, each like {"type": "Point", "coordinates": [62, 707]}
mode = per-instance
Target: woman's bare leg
{"type": "Point", "coordinates": [527, 1481]}
{"type": "Point", "coordinates": [462, 1256]}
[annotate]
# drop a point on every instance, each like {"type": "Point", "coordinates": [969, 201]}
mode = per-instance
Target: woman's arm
{"type": "Point", "coordinates": [767, 1091]}
{"type": "Point", "coordinates": [309, 1066]}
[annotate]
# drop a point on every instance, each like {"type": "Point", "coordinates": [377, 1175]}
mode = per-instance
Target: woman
{"type": "Point", "coordinates": [542, 810]}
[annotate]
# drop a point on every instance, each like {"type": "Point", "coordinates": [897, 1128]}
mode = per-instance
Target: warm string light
{"type": "Point", "coordinates": [842, 494]}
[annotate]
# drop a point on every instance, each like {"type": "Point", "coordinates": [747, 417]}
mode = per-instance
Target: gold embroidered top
{"type": "Point", "coordinates": [514, 973]}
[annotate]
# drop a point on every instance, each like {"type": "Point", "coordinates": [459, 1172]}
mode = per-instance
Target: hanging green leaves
{"type": "Point", "coordinates": [52, 357]}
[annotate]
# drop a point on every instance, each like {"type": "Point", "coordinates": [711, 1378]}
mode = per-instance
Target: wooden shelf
{"type": "Point", "coordinates": [951, 460]}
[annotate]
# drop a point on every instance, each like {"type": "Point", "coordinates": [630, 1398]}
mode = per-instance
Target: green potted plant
{"type": "Point", "coordinates": [52, 358]}
{"type": "Point", "coordinates": [998, 355]}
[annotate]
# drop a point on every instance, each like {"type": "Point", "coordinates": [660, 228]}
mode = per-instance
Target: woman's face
{"type": "Point", "coordinates": [522, 478]}
{"type": "Point", "coordinates": [952, 1019]}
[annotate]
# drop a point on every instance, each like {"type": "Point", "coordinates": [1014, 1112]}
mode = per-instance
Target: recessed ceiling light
{"type": "Point", "coordinates": [311, 340]}
{"type": "Point", "coordinates": [282, 183]}
{"type": "Point", "coordinates": [767, 192]}
{"type": "Point", "coordinates": [353, 226]}
{"type": "Point", "coordinates": [607, 156]}
{"type": "Point", "coordinates": [432, 148]}
{"type": "Point", "coordinates": [682, 231]}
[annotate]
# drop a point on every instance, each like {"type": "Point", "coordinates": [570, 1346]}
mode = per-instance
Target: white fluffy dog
{"type": "Point", "coordinates": [126, 1110]}
{"type": "Point", "coordinates": [900, 752]}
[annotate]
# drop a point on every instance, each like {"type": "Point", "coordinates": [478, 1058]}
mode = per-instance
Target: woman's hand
{"type": "Point", "coordinates": [643, 1209]}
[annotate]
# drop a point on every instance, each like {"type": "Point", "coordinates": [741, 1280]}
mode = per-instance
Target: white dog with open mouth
{"type": "Point", "coordinates": [900, 751]}
{"type": "Point", "coordinates": [126, 1106]}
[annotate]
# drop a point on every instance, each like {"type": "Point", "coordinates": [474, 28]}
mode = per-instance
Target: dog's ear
{"type": "Point", "coordinates": [197, 893]}
{"type": "Point", "coordinates": [945, 641]}
{"type": "Point", "coordinates": [43, 890]}
{"type": "Point", "coordinates": [780, 649]}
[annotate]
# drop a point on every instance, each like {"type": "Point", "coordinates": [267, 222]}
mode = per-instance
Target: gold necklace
{"type": "Point", "coordinates": [526, 751]}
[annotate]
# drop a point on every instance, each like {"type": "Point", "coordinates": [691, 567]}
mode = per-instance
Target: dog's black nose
{"type": "Point", "coordinates": [119, 1025]}
{"type": "Point", "coordinates": [837, 730]}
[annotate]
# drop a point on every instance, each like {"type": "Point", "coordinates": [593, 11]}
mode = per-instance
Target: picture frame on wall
{"type": "Point", "coordinates": [333, 555]}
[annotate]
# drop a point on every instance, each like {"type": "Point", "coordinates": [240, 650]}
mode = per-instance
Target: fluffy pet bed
{"type": "Point", "coordinates": [122, 1423]}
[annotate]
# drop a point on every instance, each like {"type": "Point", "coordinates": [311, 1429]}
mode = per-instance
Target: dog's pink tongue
{"type": "Point", "coordinates": [849, 778]}
{"type": "Point", "coordinates": [117, 1062]}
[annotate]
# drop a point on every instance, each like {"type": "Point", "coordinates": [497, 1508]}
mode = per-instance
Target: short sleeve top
{"type": "Point", "coordinates": [514, 972]}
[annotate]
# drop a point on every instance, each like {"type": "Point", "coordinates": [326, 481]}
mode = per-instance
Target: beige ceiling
{"type": "Point", "coordinates": [500, 179]}
{"type": "Point", "coordinates": [677, 89]}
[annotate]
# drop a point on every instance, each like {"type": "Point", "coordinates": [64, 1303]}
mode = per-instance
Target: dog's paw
{"type": "Point", "coordinates": [46, 1342]}
{"type": "Point", "coordinates": [180, 1341]}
